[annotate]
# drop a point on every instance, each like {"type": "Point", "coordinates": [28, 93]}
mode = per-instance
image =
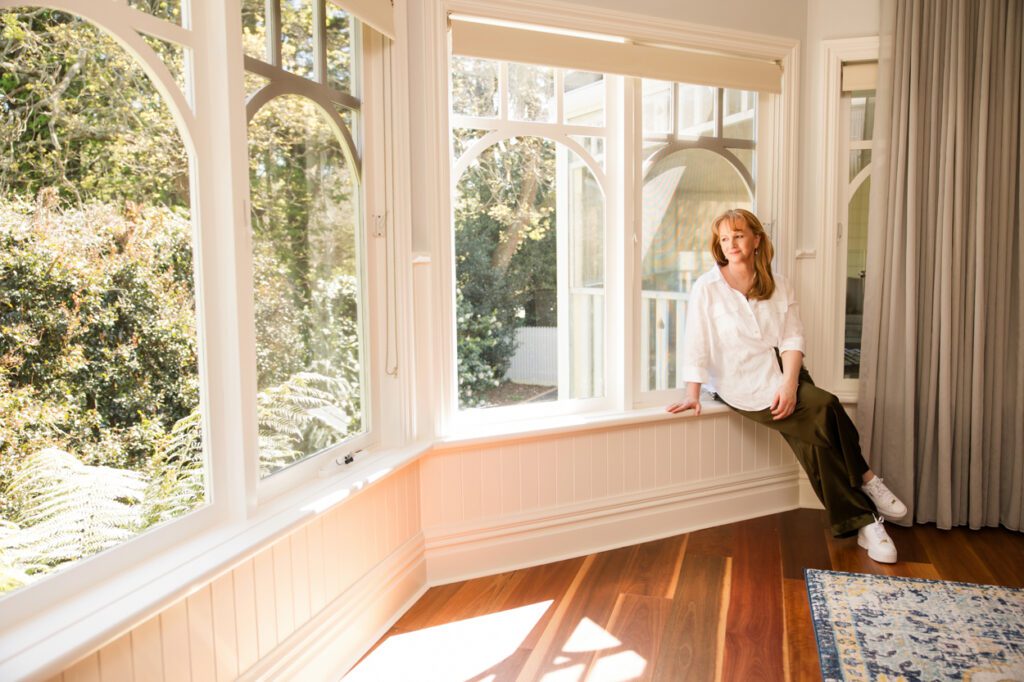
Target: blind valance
{"type": "Point", "coordinates": [515, 44]}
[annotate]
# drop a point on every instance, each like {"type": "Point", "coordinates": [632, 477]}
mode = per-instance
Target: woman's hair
{"type": "Point", "coordinates": [764, 283]}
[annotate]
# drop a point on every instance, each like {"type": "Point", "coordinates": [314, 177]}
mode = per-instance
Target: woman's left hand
{"type": "Point", "coordinates": [784, 402]}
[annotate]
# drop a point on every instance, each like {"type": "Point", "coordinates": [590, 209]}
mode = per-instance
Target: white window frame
{"type": "Point", "coordinates": [64, 612]}
{"type": "Point", "coordinates": [833, 233]}
{"type": "Point", "coordinates": [778, 178]}
{"type": "Point", "coordinates": [372, 201]}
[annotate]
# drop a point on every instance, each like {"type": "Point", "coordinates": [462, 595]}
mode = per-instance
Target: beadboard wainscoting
{"type": "Point", "coordinates": [514, 504]}
{"type": "Point", "coordinates": [342, 578]}
{"type": "Point", "coordinates": [309, 605]}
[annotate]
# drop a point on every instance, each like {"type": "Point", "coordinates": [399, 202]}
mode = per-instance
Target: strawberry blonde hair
{"type": "Point", "coordinates": [734, 218]}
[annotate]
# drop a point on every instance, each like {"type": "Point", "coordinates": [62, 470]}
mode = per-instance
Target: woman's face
{"type": "Point", "coordinates": [738, 241]}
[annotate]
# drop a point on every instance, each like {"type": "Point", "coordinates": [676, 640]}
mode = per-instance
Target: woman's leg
{"type": "Point", "coordinates": [826, 443]}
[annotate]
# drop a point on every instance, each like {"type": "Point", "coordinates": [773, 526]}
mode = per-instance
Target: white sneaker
{"type": "Point", "coordinates": [886, 502]}
{"type": "Point", "coordinates": [877, 542]}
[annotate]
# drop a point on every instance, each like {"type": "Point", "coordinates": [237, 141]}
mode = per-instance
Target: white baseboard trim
{"type": "Point", "coordinates": [467, 551]}
{"type": "Point", "coordinates": [335, 639]}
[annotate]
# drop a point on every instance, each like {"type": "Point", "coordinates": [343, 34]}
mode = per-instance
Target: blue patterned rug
{"type": "Point", "coordinates": [874, 627]}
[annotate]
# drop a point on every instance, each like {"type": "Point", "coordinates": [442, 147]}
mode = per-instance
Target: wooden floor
{"type": "Point", "coordinates": [726, 603]}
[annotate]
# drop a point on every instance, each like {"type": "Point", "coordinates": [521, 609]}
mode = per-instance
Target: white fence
{"type": "Point", "coordinates": [662, 320]}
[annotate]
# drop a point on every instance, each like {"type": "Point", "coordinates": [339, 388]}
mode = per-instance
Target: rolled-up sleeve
{"type": "Point", "coordinates": [792, 327]}
{"type": "Point", "coordinates": [696, 344]}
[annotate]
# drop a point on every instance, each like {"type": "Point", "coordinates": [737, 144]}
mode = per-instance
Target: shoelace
{"type": "Point", "coordinates": [878, 530]}
{"type": "Point", "coordinates": [881, 490]}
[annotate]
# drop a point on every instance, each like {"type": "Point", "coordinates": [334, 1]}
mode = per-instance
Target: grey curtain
{"type": "Point", "coordinates": [941, 405]}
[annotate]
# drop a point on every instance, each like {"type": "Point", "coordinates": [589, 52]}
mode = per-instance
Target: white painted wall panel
{"type": "Point", "coordinates": [225, 627]}
{"type": "Point", "coordinates": [174, 634]}
{"type": "Point", "coordinates": [147, 650]}
{"type": "Point", "coordinates": [116, 660]}
{"type": "Point", "coordinates": [200, 636]}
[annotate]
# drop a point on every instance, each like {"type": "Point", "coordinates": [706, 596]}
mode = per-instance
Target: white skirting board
{"type": "Point", "coordinates": [334, 640]}
{"type": "Point", "coordinates": [461, 553]}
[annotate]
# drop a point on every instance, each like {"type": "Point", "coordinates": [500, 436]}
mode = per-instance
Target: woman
{"type": "Point", "coordinates": [745, 340]}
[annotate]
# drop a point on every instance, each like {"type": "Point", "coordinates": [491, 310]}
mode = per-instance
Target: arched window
{"type": "Point", "coordinates": [101, 430]}
{"type": "Point", "coordinates": [305, 193]}
{"type": "Point", "coordinates": [529, 233]}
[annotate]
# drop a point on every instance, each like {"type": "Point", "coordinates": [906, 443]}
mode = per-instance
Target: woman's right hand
{"type": "Point", "coordinates": [688, 404]}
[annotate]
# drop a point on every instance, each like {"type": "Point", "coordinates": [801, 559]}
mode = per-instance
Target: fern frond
{"type": "Point", "coordinates": [70, 510]}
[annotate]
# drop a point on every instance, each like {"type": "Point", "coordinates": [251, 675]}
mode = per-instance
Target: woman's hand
{"type": "Point", "coordinates": [687, 404]}
{"type": "Point", "coordinates": [784, 402]}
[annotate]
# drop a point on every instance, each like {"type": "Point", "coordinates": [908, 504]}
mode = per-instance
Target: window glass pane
{"type": "Point", "coordinates": [463, 139]}
{"type": "Point", "coordinates": [739, 118]}
{"type": "Point", "coordinates": [531, 92]}
{"type": "Point", "coordinates": [297, 37]}
{"type": "Point", "coordinates": [746, 157]}
{"type": "Point", "coordinates": [584, 94]}
{"type": "Point", "coordinates": [254, 83]}
{"type": "Point", "coordinates": [306, 261]}
{"type": "Point", "coordinates": [683, 193]}
{"type": "Point", "coordinates": [862, 115]}
{"type": "Point", "coordinates": [173, 57]}
{"type": "Point", "coordinates": [165, 9]}
{"type": "Point", "coordinates": [509, 207]}
{"type": "Point", "coordinates": [859, 160]}
{"type": "Point", "coordinates": [657, 107]}
{"type": "Point", "coordinates": [100, 425]}
{"type": "Point", "coordinates": [474, 86]}
{"type": "Point", "coordinates": [254, 29]}
{"type": "Point", "coordinates": [856, 264]}
{"type": "Point", "coordinates": [696, 111]}
{"type": "Point", "coordinates": [594, 146]}
{"type": "Point", "coordinates": [340, 33]}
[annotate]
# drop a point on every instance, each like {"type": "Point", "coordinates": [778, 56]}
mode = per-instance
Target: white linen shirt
{"type": "Point", "coordinates": [730, 342]}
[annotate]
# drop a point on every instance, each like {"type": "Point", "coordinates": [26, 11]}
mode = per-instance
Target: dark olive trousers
{"type": "Point", "coordinates": [826, 444]}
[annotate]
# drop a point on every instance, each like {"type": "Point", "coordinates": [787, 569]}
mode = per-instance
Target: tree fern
{"type": "Point", "coordinates": [177, 483]}
{"type": "Point", "coordinates": [302, 415]}
{"type": "Point", "coordinates": [70, 510]}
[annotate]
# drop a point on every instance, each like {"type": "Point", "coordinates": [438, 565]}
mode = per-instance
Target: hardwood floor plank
{"type": "Point", "coordinates": [539, 656]}
{"type": "Point", "coordinates": [754, 630]}
{"type": "Point", "coordinates": [952, 554]}
{"type": "Point", "coordinates": [650, 570]}
{"type": "Point", "coordinates": [1003, 553]}
{"type": "Point", "coordinates": [690, 648]}
{"type": "Point", "coordinates": [717, 541]}
{"type": "Point", "coordinates": [801, 646]}
{"type": "Point", "coordinates": [637, 622]}
{"type": "Point", "coordinates": [590, 608]}
{"type": "Point", "coordinates": [800, 542]}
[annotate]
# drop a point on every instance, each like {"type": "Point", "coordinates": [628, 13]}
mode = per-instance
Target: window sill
{"type": "Point", "coordinates": [551, 426]}
{"type": "Point", "coordinates": [57, 637]}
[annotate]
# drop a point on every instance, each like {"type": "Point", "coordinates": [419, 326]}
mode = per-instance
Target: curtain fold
{"type": "Point", "coordinates": [941, 405]}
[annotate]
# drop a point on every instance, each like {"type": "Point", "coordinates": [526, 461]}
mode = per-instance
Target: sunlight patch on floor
{"type": "Point", "coordinates": [460, 650]}
{"type": "Point", "coordinates": [589, 636]}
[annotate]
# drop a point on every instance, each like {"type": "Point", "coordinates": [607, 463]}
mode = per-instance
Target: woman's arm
{"type": "Point", "coordinates": [696, 351]}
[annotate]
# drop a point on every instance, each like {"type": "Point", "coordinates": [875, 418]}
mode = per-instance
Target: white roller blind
{"type": "Point", "coordinates": [862, 76]}
{"type": "Point", "coordinates": [488, 41]}
{"type": "Point", "coordinates": [377, 13]}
